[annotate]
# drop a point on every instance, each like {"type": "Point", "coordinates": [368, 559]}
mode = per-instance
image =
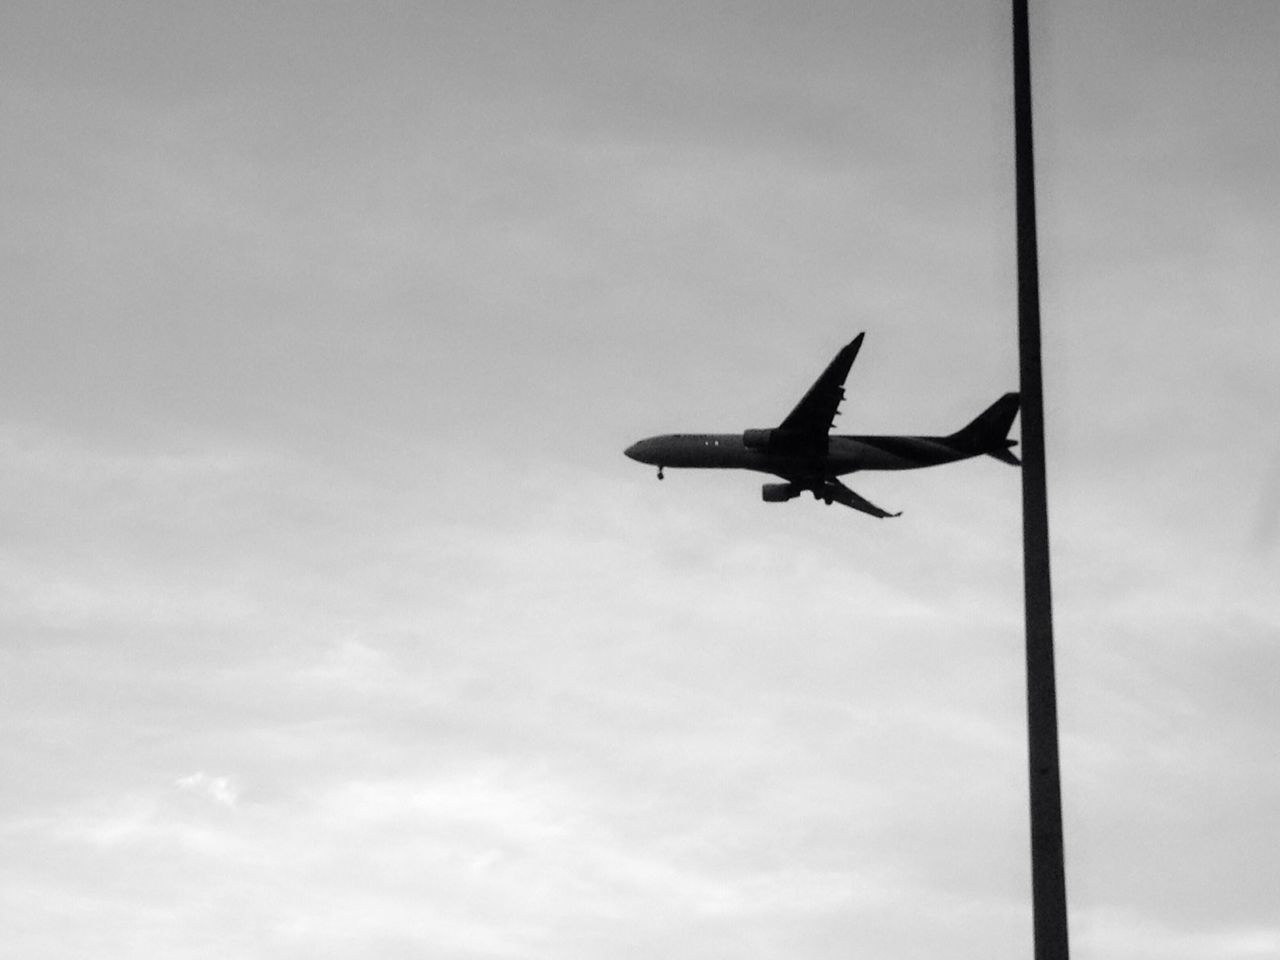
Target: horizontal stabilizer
{"type": "Point", "coordinates": [1006, 455]}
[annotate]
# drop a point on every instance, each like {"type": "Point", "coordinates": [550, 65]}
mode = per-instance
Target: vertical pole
{"type": "Point", "coordinates": [1048, 885]}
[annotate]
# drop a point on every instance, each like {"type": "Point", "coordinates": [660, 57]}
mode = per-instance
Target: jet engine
{"type": "Point", "coordinates": [757, 439]}
{"type": "Point", "coordinates": [779, 492]}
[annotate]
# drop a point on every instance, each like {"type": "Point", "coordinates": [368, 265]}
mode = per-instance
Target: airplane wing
{"type": "Point", "coordinates": [835, 491]}
{"type": "Point", "coordinates": [810, 421]}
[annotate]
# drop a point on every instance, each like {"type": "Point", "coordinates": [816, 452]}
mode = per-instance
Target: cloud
{"type": "Point", "coordinates": [217, 789]}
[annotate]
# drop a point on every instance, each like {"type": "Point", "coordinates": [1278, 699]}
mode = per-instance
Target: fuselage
{"type": "Point", "coordinates": [844, 454]}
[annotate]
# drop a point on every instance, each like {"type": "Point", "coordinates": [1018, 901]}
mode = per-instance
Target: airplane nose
{"type": "Point", "coordinates": [633, 451]}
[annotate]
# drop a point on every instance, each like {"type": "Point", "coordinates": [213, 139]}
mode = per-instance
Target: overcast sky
{"type": "Point", "coordinates": [334, 623]}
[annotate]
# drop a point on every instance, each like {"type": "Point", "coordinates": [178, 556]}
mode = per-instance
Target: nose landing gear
{"type": "Point", "coordinates": [660, 477]}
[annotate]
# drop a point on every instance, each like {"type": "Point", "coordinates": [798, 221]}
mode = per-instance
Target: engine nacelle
{"type": "Point", "coordinates": [757, 439]}
{"type": "Point", "coordinates": [779, 492]}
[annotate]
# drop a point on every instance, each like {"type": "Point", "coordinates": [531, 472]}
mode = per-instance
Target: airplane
{"type": "Point", "coordinates": [802, 451]}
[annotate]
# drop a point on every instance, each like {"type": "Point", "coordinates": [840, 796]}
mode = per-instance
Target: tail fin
{"type": "Point", "coordinates": [988, 431]}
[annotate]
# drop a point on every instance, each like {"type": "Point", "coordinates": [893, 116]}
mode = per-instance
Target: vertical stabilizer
{"type": "Point", "coordinates": [988, 432]}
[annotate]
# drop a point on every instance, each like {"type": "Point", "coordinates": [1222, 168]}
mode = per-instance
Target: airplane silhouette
{"type": "Point", "coordinates": [802, 451]}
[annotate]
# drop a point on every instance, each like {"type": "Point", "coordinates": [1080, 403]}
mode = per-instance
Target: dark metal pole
{"type": "Point", "coordinates": [1048, 885]}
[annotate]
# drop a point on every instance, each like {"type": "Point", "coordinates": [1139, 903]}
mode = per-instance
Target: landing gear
{"type": "Point", "coordinates": [660, 477]}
